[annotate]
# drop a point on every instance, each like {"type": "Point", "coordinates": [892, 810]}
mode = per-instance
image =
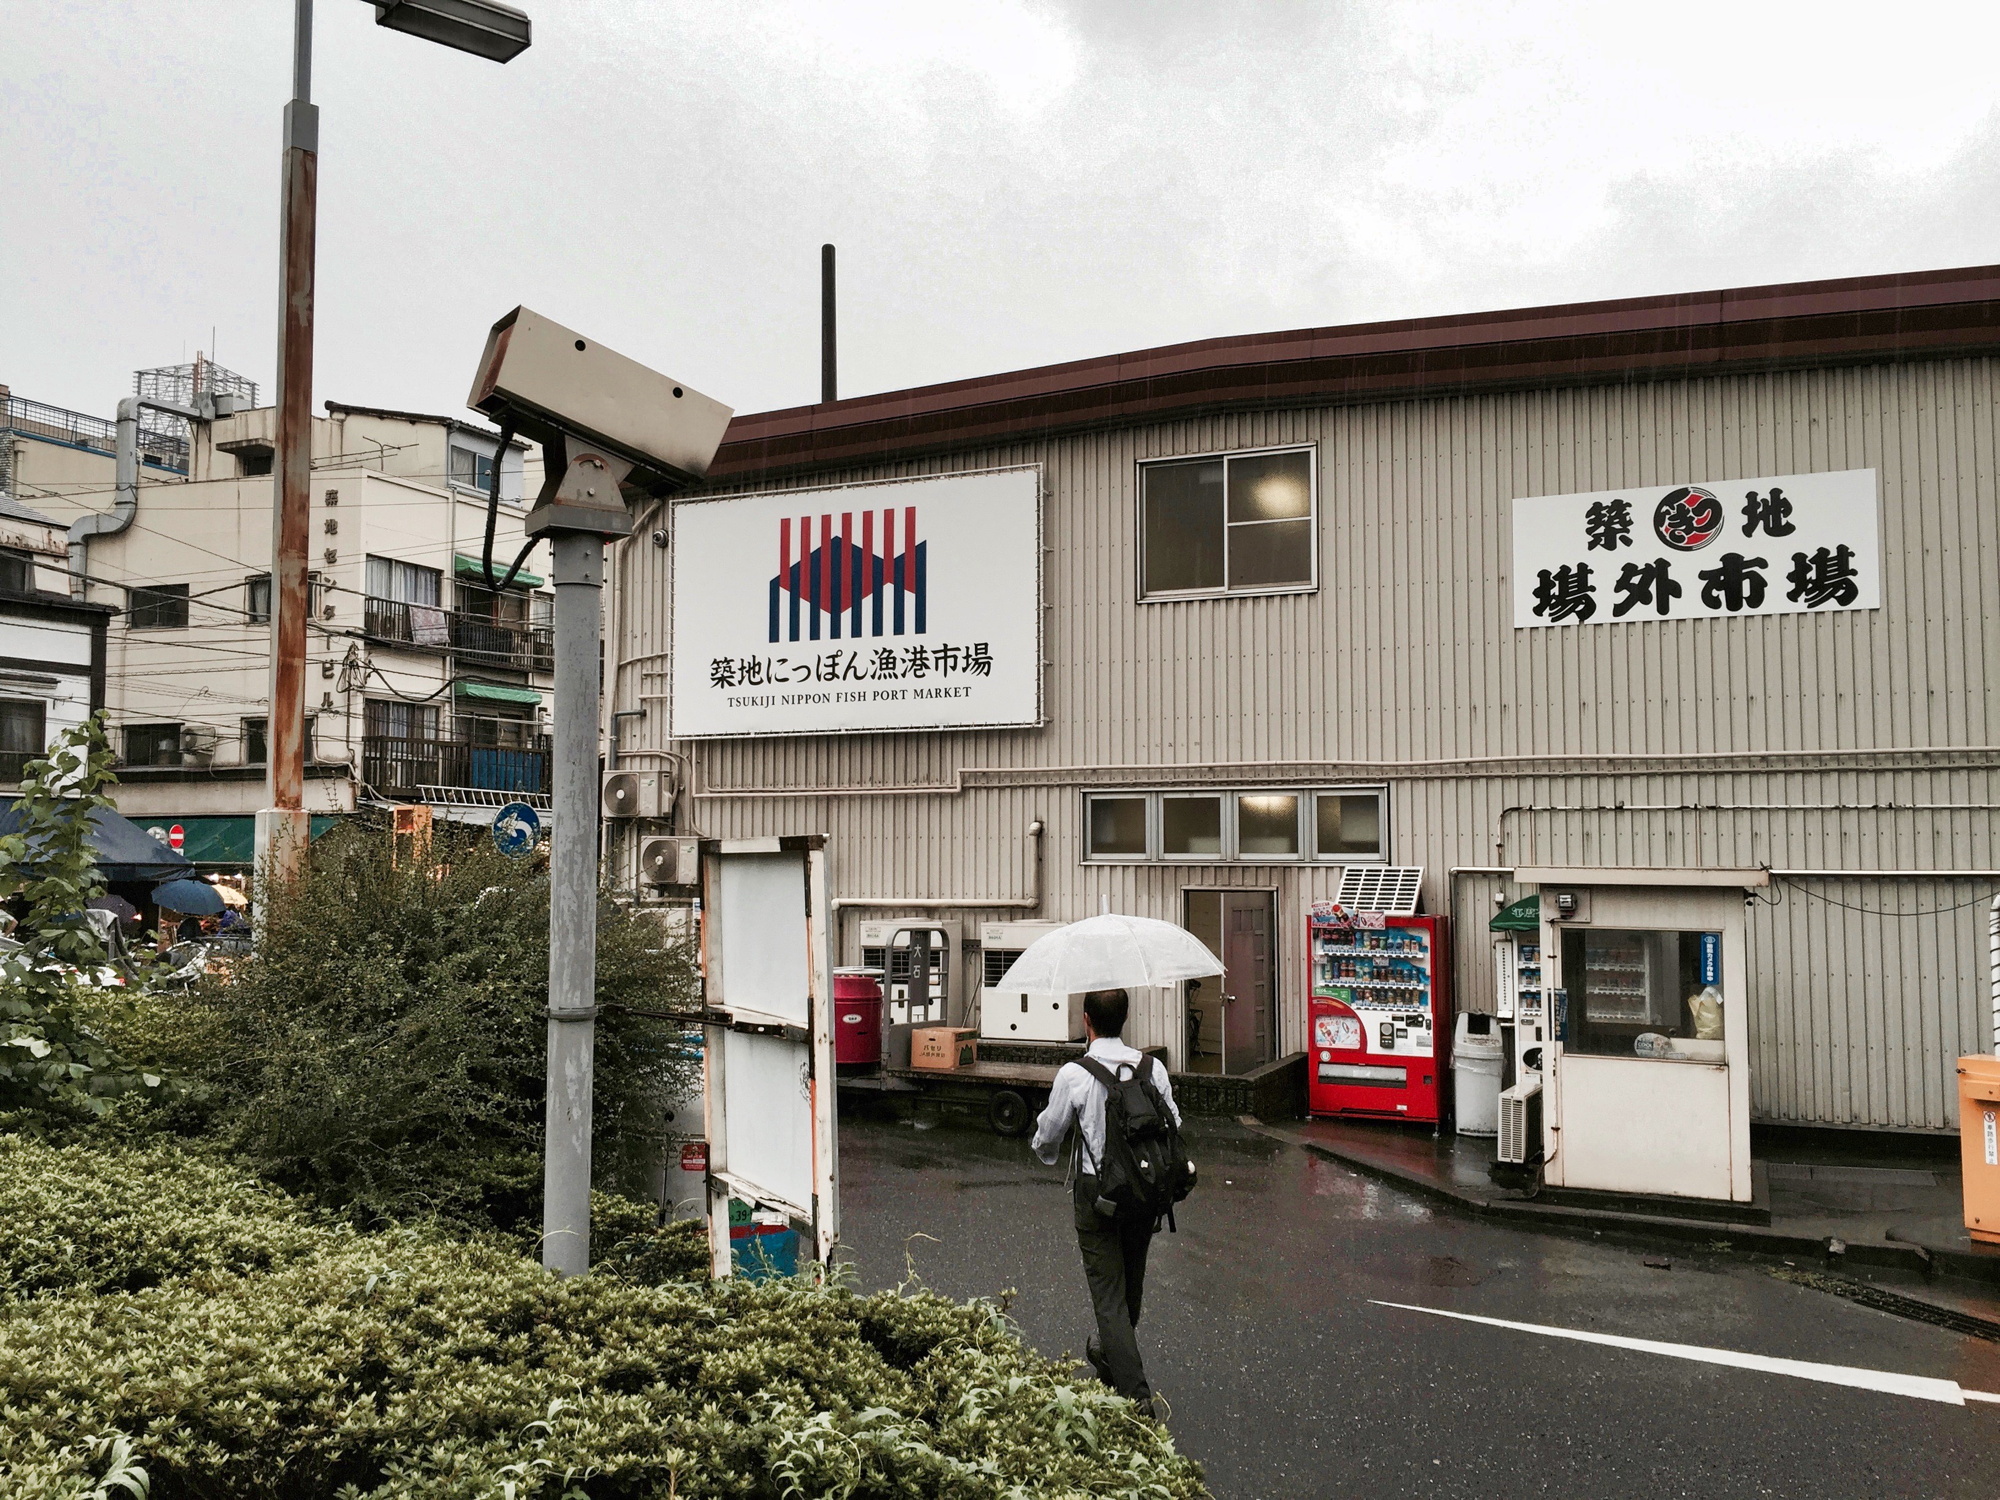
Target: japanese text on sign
{"type": "Point", "coordinates": [910, 604]}
{"type": "Point", "coordinates": [1793, 544]}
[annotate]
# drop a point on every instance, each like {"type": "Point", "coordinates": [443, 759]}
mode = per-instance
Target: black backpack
{"type": "Point", "coordinates": [1146, 1169]}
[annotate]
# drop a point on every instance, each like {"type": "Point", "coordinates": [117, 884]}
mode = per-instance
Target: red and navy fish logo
{"type": "Point", "coordinates": [837, 578]}
{"type": "Point", "coordinates": [1688, 519]}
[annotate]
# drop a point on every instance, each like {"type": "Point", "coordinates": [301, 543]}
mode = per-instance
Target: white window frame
{"type": "Point", "coordinates": [1167, 596]}
{"type": "Point", "coordinates": [1308, 795]}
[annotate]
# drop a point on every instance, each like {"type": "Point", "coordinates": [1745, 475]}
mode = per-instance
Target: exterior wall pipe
{"type": "Point", "coordinates": [962, 903]}
{"type": "Point", "coordinates": [124, 504]}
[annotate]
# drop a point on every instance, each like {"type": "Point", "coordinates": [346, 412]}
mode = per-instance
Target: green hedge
{"type": "Point", "coordinates": [247, 1348]}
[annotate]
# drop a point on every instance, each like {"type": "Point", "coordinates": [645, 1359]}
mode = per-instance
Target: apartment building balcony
{"type": "Point", "coordinates": [398, 767]}
{"type": "Point", "coordinates": [513, 645]}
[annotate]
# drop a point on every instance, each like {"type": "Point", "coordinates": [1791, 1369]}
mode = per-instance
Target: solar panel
{"type": "Point", "coordinates": [1393, 889]}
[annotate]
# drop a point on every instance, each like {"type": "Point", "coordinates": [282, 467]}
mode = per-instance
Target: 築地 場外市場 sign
{"type": "Point", "coordinates": [1794, 544]}
{"type": "Point", "coordinates": [909, 604]}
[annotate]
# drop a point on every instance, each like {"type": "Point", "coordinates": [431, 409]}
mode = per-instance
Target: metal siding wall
{"type": "Point", "coordinates": [1407, 653]}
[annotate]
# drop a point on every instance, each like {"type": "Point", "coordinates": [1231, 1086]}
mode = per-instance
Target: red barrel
{"type": "Point", "coordinates": [857, 1015]}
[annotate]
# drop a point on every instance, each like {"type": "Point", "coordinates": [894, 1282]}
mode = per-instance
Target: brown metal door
{"type": "Point", "coordinates": [1250, 1011]}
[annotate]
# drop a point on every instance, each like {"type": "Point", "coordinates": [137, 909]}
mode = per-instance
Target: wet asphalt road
{"type": "Point", "coordinates": [1286, 1381]}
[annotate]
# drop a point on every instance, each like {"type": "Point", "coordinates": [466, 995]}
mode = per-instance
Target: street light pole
{"type": "Point", "coordinates": [484, 28]}
{"type": "Point", "coordinates": [283, 827]}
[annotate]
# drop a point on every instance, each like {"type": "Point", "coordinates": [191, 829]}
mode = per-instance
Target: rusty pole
{"type": "Point", "coordinates": [283, 827]}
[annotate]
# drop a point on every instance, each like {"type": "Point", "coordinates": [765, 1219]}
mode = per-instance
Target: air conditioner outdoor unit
{"type": "Point", "coordinates": [1521, 1123]}
{"type": "Point", "coordinates": [1021, 1018]}
{"type": "Point", "coordinates": [638, 794]}
{"type": "Point", "coordinates": [670, 861]}
{"type": "Point", "coordinates": [885, 945]}
{"type": "Point", "coordinates": [197, 744]}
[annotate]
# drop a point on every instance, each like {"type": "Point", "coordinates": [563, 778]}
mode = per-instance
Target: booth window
{"type": "Point", "coordinates": [1236, 523]}
{"type": "Point", "coordinates": [1624, 986]}
{"type": "Point", "coordinates": [1343, 825]}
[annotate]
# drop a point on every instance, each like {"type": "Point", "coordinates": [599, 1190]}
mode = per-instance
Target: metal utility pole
{"type": "Point", "coordinates": [579, 579]}
{"type": "Point", "coordinates": [578, 514]}
{"type": "Point", "coordinates": [283, 827]}
{"type": "Point", "coordinates": [829, 366]}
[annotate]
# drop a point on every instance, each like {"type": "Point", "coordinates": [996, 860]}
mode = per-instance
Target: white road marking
{"type": "Point", "coordinates": [1922, 1387]}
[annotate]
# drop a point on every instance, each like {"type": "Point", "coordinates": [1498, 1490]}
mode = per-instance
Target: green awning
{"type": "Point", "coordinates": [493, 692]}
{"type": "Point", "coordinates": [1524, 915]}
{"type": "Point", "coordinates": [470, 567]}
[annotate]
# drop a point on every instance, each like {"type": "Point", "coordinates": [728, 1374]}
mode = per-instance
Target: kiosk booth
{"type": "Point", "coordinates": [1646, 1078]}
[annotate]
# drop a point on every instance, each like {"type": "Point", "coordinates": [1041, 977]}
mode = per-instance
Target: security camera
{"type": "Point", "coordinates": [603, 420]}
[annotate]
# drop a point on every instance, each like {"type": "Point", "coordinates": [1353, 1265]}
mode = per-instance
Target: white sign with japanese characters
{"type": "Point", "coordinates": [1793, 544]}
{"type": "Point", "coordinates": [911, 604]}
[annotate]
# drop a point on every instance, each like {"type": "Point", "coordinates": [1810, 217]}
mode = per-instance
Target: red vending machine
{"type": "Point", "coordinates": [1381, 1014]}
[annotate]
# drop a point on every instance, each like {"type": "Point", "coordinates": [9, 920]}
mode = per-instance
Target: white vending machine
{"type": "Point", "coordinates": [1021, 1018]}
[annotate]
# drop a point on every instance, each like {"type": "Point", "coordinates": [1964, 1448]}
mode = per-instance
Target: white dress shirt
{"type": "Point", "coordinates": [1076, 1098]}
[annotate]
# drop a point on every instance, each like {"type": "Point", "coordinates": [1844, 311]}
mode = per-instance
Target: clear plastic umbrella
{"type": "Point", "coordinates": [1108, 953]}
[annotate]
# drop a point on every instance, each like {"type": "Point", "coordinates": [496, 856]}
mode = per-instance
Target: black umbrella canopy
{"type": "Point", "coordinates": [124, 850]}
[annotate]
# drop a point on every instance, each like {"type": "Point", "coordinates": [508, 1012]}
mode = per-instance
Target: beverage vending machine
{"type": "Point", "coordinates": [1381, 1014]}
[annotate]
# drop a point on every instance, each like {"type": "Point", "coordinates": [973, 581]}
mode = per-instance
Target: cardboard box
{"type": "Point", "coordinates": [942, 1048]}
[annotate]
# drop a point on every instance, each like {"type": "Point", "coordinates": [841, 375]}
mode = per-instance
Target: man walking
{"type": "Point", "coordinates": [1114, 1248]}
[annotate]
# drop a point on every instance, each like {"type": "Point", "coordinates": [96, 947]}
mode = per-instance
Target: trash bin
{"type": "Point", "coordinates": [1979, 1144]}
{"type": "Point", "coordinates": [857, 1015]}
{"type": "Point", "coordinates": [1475, 1075]}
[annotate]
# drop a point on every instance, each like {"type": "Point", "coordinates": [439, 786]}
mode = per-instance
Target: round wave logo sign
{"type": "Point", "coordinates": [1688, 519]}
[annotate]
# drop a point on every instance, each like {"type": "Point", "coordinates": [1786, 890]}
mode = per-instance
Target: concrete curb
{"type": "Point", "coordinates": [1920, 1260]}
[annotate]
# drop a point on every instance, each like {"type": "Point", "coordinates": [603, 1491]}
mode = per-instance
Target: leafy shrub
{"type": "Point", "coordinates": [384, 1047]}
{"type": "Point", "coordinates": [303, 1359]}
{"type": "Point", "coordinates": [56, 1066]}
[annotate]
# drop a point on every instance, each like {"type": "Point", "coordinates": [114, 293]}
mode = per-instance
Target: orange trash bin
{"type": "Point", "coordinates": [1979, 1144]}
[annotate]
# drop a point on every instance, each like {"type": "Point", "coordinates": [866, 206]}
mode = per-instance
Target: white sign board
{"type": "Point", "coordinates": [1790, 544]}
{"type": "Point", "coordinates": [911, 604]}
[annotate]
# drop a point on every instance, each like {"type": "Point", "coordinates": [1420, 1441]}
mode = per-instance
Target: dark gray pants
{"type": "Point", "coordinates": [1114, 1265]}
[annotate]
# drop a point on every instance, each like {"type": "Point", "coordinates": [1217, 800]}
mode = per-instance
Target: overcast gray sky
{"type": "Point", "coordinates": [1010, 184]}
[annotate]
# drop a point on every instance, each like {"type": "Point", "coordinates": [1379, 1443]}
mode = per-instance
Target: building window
{"type": "Point", "coordinates": [257, 599]}
{"type": "Point", "coordinates": [253, 463]}
{"type": "Point", "coordinates": [1118, 827]}
{"type": "Point", "coordinates": [471, 470]}
{"type": "Point", "coordinates": [1236, 523]}
{"type": "Point", "coordinates": [159, 606]}
{"type": "Point", "coordinates": [23, 734]}
{"type": "Point", "coordinates": [386, 719]}
{"type": "Point", "coordinates": [1347, 825]}
{"type": "Point", "coordinates": [1267, 824]}
{"type": "Point", "coordinates": [405, 583]}
{"type": "Point", "coordinates": [152, 744]}
{"type": "Point", "coordinates": [256, 740]}
{"type": "Point", "coordinates": [1191, 826]}
{"type": "Point", "coordinates": [1338, 825]}
{"type": "Point", "coordinates": [17, 572]}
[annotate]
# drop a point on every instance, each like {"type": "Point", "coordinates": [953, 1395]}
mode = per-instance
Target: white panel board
{"type": "Point", "coordinates": [914, 604]}
{"type": "Point", "coordinates": [761, 923]}
{"type": "Point", "coordinates": [768, 1114]}
{"type": "Point", "coordinates": [1789, 544]}
{"type": "Point", "coordinates": [1639, 1125]}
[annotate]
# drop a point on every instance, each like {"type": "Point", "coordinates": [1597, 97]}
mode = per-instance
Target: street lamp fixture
{"type": "Point", "coordinates": [485, 28]}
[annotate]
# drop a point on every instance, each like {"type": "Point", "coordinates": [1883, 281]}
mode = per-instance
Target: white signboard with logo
{"type": "Point", "coordinates": [1790, 544]}
{"type": "Point", "coordinates": [911, 604]}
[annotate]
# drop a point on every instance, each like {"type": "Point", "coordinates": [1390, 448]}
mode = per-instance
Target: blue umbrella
{"type": "Point", "coordinates": [191, 898]}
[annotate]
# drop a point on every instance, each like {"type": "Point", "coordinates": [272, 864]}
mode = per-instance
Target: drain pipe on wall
{"type": "Point", "coordinates": [1993, 966]}
{"type": "Point", "coordinates": [124, 505]}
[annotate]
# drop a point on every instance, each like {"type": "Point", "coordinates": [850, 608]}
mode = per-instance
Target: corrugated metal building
{"type": "Point", "coordinates": [1855, 754]}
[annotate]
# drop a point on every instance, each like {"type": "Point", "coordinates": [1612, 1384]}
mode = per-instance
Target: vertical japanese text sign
{"type": "Point", "coordinates": [1793, 544]}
